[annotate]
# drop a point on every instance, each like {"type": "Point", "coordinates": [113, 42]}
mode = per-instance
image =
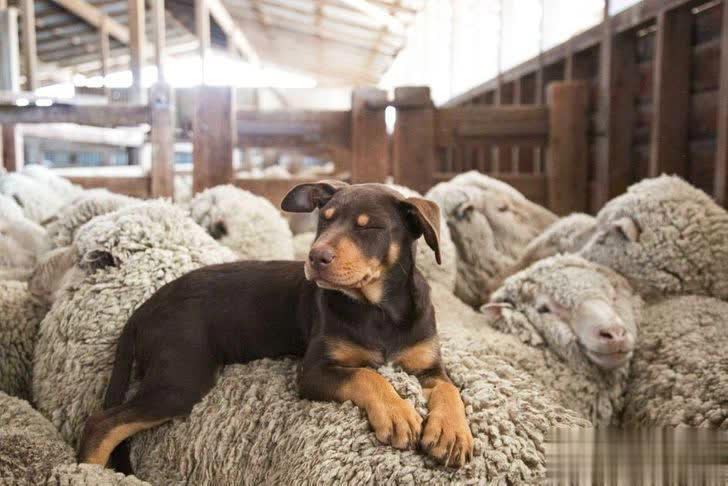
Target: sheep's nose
{"type": "Point", "coordinates": [613, 335]}
{"type": "Point", "coordinates": [322, 256]}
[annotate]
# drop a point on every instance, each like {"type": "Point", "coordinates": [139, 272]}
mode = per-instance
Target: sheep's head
{"type": "Point", "coordinates": [579, 310]}
{"type": "Point", "coordinates": [658, 235]}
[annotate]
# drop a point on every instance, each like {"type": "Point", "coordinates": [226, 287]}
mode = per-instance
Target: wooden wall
{"type": "Point", "coordinates": [655, 76]}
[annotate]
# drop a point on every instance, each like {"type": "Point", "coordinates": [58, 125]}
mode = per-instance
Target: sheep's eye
{"type": "Point", "coordinates": [543, 309]}
{"type": "Point", "coordinates": [620, 231]}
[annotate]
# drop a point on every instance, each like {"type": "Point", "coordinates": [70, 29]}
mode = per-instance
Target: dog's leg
{"type": "Point", "coordinates": [394, 420]}
{"type": "Point", "coordinates": [447, 435]}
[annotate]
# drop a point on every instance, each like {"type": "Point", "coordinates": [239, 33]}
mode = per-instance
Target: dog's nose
{"type": "Point", "coordinates": [321, 256]}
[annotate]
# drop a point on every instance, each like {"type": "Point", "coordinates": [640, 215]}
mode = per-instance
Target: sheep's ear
{"type": "Point", "coordinates": [627, 229]}
{"type": "Point", "coordinates": [494, 310]}
{"type": "Point", "coordinates": [463, 209]}
{"type": "Point", "coordinates": [18, 200]}
{"type": "Point", "coordinates": [422, 217]}
{"type": "Point", "coordinates": [96, 260]}
{"type": "Point", "coordinates": [218, 230]}
{"type": "Point", "coordinates": [304, 198]}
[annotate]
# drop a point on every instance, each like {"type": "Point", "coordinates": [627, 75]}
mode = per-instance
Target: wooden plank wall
{"type": "Point", "coordinates": [654, 100]}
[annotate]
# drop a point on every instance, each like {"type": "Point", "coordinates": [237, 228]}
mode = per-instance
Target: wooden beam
{"type": "Point", "coordinates": [162, 140]}
{"type": "Point", "coordinates": [105, 51]}
{"type": "Point", "coordinates": [11, 138]}
{"type": "Point", "coordinates": [568, 147]}
{"type": "Point", "coordinates": [617, 90]}
{"type": "Point", "coordinates": [377, 14]}
{"type": "Point", "coordinates": [671, 93]}
{"type": "Point", "coordinates": [414, 140]}
{"type": "Point", "coordinates": [93, 16]}
{"type": "Point", "coordinates": [136, 48]}
{"type": "Point", "coordinates": [29, 47]}
{"type": "Point", "coordinates": [202, 31]}
{"type": "Point", "coordinates": [214, 132]}
{"type": "Point", "coordinates": [97, 116]}
{"type": "Point", "coordinates": [721, 151]}
{"type": "Point", "coordinates": [223, 18]}
{"type": "Point", "coordinates": [160, 29]}
{"type": "Point", "coordinates": [369, 141]}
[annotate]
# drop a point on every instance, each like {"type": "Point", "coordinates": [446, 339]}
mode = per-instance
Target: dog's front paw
{"type": "Point", "coordinates": [447, 438]}
{"type": "Point", "coordinates": [395, 422]}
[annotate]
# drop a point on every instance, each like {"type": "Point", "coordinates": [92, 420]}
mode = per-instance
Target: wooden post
{"type": "Point", "coordinates": [29, 49]}
{"type": "Point", "coordinates": [12, 141]}
{"type": "Point", "coordinates": [105, 52]}
{"type": "Point", "coordinates": [159, 37]}
{"type": "Point", "coordinates": [136, 48]}
{"type": "Point", "coordinates": [202, 29]}
{"type": "Point", "coordinates": [162, 139]}
{"type": "Point", "coordinates": [721, 154]}
{"type": "Point", "coordinates": [669, 151]}
{"type": "Point", "coordinates": [617, 89]}
{"type": "Point", "coordinates": [369, 141]}
{"type": "Point", "coordinates": [414, 138]}
{"type": "Point", "coordinates": [568, 149]}
{"type": "Point", "coordinates": [214, 134]}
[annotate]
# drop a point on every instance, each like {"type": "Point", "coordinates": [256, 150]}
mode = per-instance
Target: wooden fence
{"type": "Point", "coordinates": [158, 114]}
{"type": "Point", "coordinates": [659, 94]}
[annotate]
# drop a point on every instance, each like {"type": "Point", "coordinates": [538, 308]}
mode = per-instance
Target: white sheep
{"type": "Point", "coordinates": [32, 452]}
{"type": "Point", "coordinates": [302, 244]}
{"type": "Point", "coordinates": [666, 237]}
{"type": "Point", "coordinates": [20, 315]}
{"type": "Point", "coordinates": [579, 321]}
{"type": "Point", "coordinates": [63, 226]}
{"type": "Point", "coordinates": [567, 235]}
{"type": "Point", "coordinates": [248, 224]}
{"type": "Point", "coordinates": [490, 223]}
{"type": "Point", "coordinates": [9, 208]}
{"type": "Point", "coordinates": [446, 272]}
{"type": "Point", "coordinates": [119, 260]}
{"type": "Point", "coordinates": [61, 186]}
{"type": "Point", "coordinates": [37, 199]}
{"type": "Point", "coordinates": [679, 373]}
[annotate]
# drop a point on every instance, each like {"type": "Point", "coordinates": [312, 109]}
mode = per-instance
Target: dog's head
{"type": "Point", "coordinates": [364, 231]}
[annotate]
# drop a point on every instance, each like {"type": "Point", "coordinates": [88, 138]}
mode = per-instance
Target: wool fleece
{"type": "Point", "coordinates": [124, 257]}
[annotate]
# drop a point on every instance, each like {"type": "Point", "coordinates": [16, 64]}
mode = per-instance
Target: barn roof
{"type": "Point", "coordinates": [339, 42]}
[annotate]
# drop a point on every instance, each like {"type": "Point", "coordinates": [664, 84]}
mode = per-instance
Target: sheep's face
{"type": "Point", "coordinates": [365, 234]}
{"type": "Point", "coordinates": [575, 308]}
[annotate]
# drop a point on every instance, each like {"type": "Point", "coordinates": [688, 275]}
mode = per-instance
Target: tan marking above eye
{"type": "Point", "coordinates": [362, 220]}
{"type": "Point", "coordinates": [329, 213]}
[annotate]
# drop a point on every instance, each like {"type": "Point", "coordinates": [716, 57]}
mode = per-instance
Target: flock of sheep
{"type": "Point", "coordinates": [515, 291]}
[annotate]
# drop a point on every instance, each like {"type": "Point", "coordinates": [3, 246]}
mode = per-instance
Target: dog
{"type": "Point", "coordinates": [357, 302]}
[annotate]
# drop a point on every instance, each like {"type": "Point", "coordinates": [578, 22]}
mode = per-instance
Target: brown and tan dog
{"type": "Point", "coordinates": [356, 303]}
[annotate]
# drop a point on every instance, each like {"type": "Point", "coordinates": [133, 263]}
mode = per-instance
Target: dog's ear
{"type": "Point", "coordinates": [422, 217]}
{"type": "Point", "coordinates": [304, 198]}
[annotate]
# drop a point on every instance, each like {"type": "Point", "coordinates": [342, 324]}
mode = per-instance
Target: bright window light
{"type": "Point", "coordinates": [22, 102]}
{"type": "Point", "coordinates": [390, 118]}
{"type": "Point", "coordinates": [44, 102]}
{"type": "Point", "coordinates": [59, 91]}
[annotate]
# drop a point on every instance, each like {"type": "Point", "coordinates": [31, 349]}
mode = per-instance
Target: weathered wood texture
{"type": "Point", "coordinates": [646, 57]}
{"type": "Point", "coordinates": [214, 133]}
{"type": "Point", "coordinates": [29, 46]}
{"type": "Point", "coordinates": [721, 156]}
{"type": "Point", "coordinates": [161, 105]}
{"type": "Point", "coordinates": [97, 116]}
{"type": "Point", "coordinates": [413, 156]}
{"type": "Point", "coordinates": [369, 140]}
{"type": "Point", "coordinates": [136, 48]}
{"type": "Point", "coordinates": [272, 189]}
{"type": "Point", "coordinates": [131, 186]}
{"type": "Point", "coordinates": [10, 138]}
{"type": "Point", "coordinates": [566, 167]}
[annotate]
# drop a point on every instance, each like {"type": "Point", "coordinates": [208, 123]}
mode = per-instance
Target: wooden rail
{"type": "Point", "coordinates": [658, 73]}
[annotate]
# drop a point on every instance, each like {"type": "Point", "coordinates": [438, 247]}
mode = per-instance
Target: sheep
{"type": "Point", "coordinates": [20, 315]}
{"type": "Point", "coordinates": [302, 244]}
{"type": "Point", "coordinates": [679, 373]}
{"type": "Point", "coordinates": [579, 321]}
{"type": "Point", "coordinates": [446, 272]}
{"type": "Point", "coordinates": [567, 235]}
{"type": "Point", "coordinates": [61, 186]}
{"type": "Point", "coordinates": [30, 446]}
{"type": "Point", "coordinates": [21, 242]}
{"type": "Point", "coordinates": [9, 208]}
{"type": "Point", "coordinates": [248, 224]}
{"type": "Point", "coordinates": [32, 452]}
{"type": "Point", "coordinates": [62, 229]}
{"type": "Point", "coordinates": [491, 224]}
{"type": "Point", "coordinates": [38, 201]}
{"type": "Point", "coordinates": [53, 274]}
{"type": "Point", "coordinates": [119, 260]}
{"type": "Point", "coordinates": [666, 237]}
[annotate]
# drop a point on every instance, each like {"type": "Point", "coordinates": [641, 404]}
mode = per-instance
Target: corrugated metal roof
{"type": "Point", "coordinates": [336, 41]}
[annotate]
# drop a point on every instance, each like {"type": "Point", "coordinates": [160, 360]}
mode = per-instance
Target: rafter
{"type": "Point", "coordinates": [377, 14]}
